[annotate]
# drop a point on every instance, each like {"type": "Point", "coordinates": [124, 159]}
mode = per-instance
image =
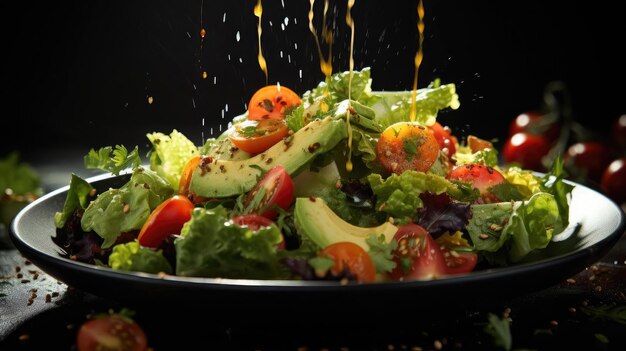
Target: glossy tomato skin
{"type": "Point", "coordinates": [444, 137]}
{"type": "Point", "coordinates": [417, 256]}
{"type": "Point", "coordinates": [458, 262]}
{"type": "Point", "coordinates": [589, 159]}
{"type": "Point", "coordinates": [618, 132]}
{"type": "Point", "coordinates": [278, 191]}
{"type": "Point", "coordinates": [257, 136]}
{"type": "Point", "coordinates": [527, 150]}
{"type": "Point", "coordinates": [350, 256]}
{"type": "Point", "coordinates": [407, 146]}
{"type": "Point", "coordinates": [272, 102]}
{"type": "Point", "coordinates": [480, 176]}
{"type": "Point", "coordinates": [185, 177]}
{"type": "Point", "coordinates": [168, 218]}
{"type": "Point", "coordinates": [111, 332]}
{"type": "Point", "coordinates": [536, 123]}
{"type": "Point", "coordinates": [613, 182]}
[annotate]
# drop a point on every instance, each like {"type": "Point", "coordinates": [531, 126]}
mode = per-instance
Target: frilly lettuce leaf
{"type": "Point", "coordinates": [170, 154]}
{"type": "Point", "coordinates": [212, 246]}
{"type": "Point", "coordinates": [393, 107]}
{"type": "Point", "coordinates": [399, 195]}
{"type": "Point", "coordinates": [116, 211]}
{"type": "Point", "coordinates": [133, 257]}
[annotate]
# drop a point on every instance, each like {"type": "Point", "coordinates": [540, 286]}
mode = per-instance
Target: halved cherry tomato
{"type": "Point", "coordinates": [417, 256]}
{"type": "Point", "coordinates": [477, 144]}
{"type": "Point", "coordinates": [274, 189]}
{"type": "Point", "coordinates": [255, 222]}
{"type": "Point", "coordinates": [458, 262]}
{"type": "Point", "coordinates": [272, 102]}
{"type": "Point", "coordinates": [350, 256]}
{"type": "Point", "coordinates": [444, 137]}
{"type": "Point", "coordinates": [111, 332]}
{"type": "Point", "coordinates": [257, 136]}
{"type": "Point", "coordinates": [185, 176]}
{"type": "Point", "coordinates": [480, 176]}
{"type": "Point", "coordinates": [168, 218]}
{"type": "Point", "coordinates": [527, 150]}
{"type": "Point", "coordinates": [407, 146]}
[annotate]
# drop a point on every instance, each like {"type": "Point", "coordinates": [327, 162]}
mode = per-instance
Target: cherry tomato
{"type": "Point", "coordinates": [477, 144]}
{"type": "Point", "coordinates": [458, 262]}
{"type": "Point", "coordinates": [444, 138]}
{"type": "Point", "coordinates": [619, 132]}
{"type": "Point", "coordinates": [613, 182]}
{"type": "Point", "coordinates": [407, 146]}
{"type": "Point", "coordinates": [417, 256]}
{"type": "Point", "coordinates": [277, 188]}
{"type": "Point", "coordinates": [526, 150]}
{"type": "Point", "coordinates": [257, 136]}
{"type": "Point", "coordinates": [255, 222]}
{"type": "Point", "coordinates": [589, 159]}
{"type": "Point", "coordinates": [168, 218]}
{"type": "Point", "coordinates": [480, 176]}
{"type": "Point", "coordinates": [111, 332]}
{"type": "Point", "coordinates": [272, 102]}
{"type": "Point", "coordinates": [350, 256]}
{"type": "Point", "coordinates": [534, 122]}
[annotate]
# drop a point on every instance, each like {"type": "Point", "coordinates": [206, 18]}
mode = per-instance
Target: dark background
{"type": "Point", "coordinates": [78, 74]}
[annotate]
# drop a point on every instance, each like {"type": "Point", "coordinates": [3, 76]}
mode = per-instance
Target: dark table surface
{"type": "Point", "coordinates": [584, 312]}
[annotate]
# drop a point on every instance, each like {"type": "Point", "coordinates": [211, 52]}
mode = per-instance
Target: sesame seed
{"type": "Point", "coordinates": [24, 337]}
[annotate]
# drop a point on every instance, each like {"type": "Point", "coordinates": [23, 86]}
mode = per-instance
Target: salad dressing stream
{"type": "Point", "coordinates": [350, 22]}
{"type": "Point", "coordinates": [258, 11]}
{"type": "Point", "coordinates": [419, 56]}
{"type": "Point", "coordinates": [325, 63]}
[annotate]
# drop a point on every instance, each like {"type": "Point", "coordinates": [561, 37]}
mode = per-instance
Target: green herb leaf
{"type": "Point", "coordinates": [381, 253]}
{"type": "Point", "coordinates": [500, 330]}
{"type": "Point", "coordinates": [112, 160]}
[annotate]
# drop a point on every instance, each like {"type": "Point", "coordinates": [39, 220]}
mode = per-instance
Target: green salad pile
{"type": "Point", "coordinates": [338, 183]}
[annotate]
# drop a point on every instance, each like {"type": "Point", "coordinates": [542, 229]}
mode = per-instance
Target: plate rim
{"type": "Point", "coordinates": [42, 258]}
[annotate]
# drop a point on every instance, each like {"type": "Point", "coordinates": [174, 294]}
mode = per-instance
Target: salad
{"type": "Point", "coordinates": [339, 183]}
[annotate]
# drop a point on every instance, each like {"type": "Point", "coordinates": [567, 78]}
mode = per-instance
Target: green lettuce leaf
{"type": "Point", "coordinates": [18, 176]}
{"type": "Point", "coordinates": [553, 183]}
{"type": "Point", "coordinates": [170, 154]}
{"type": "Point", "coordinates": [393, 107]}
{"type": "Point", "coordinates": [133, 257]}
{"type": "Point", "coordinates": [212, 246]}
{"type": "Point", "coordinates": [338, 88]}
{"type": "Point", "coordinates": [399, 195]}
{"type": "Point", "coordinates": [516, 227]}
{"type": "Point", "coordinates": [116, 211]}
{"type": "Point", "coordinates": [77, 198]}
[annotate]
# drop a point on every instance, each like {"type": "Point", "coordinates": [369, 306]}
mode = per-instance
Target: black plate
{"type": "Point", "coordinates": [596, 223]}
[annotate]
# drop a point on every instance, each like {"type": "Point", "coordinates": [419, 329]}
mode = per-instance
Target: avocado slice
{"type": "Point", "coordinates": [223, 178]}
{"type": "Point", "coordinates": [317, 221]}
